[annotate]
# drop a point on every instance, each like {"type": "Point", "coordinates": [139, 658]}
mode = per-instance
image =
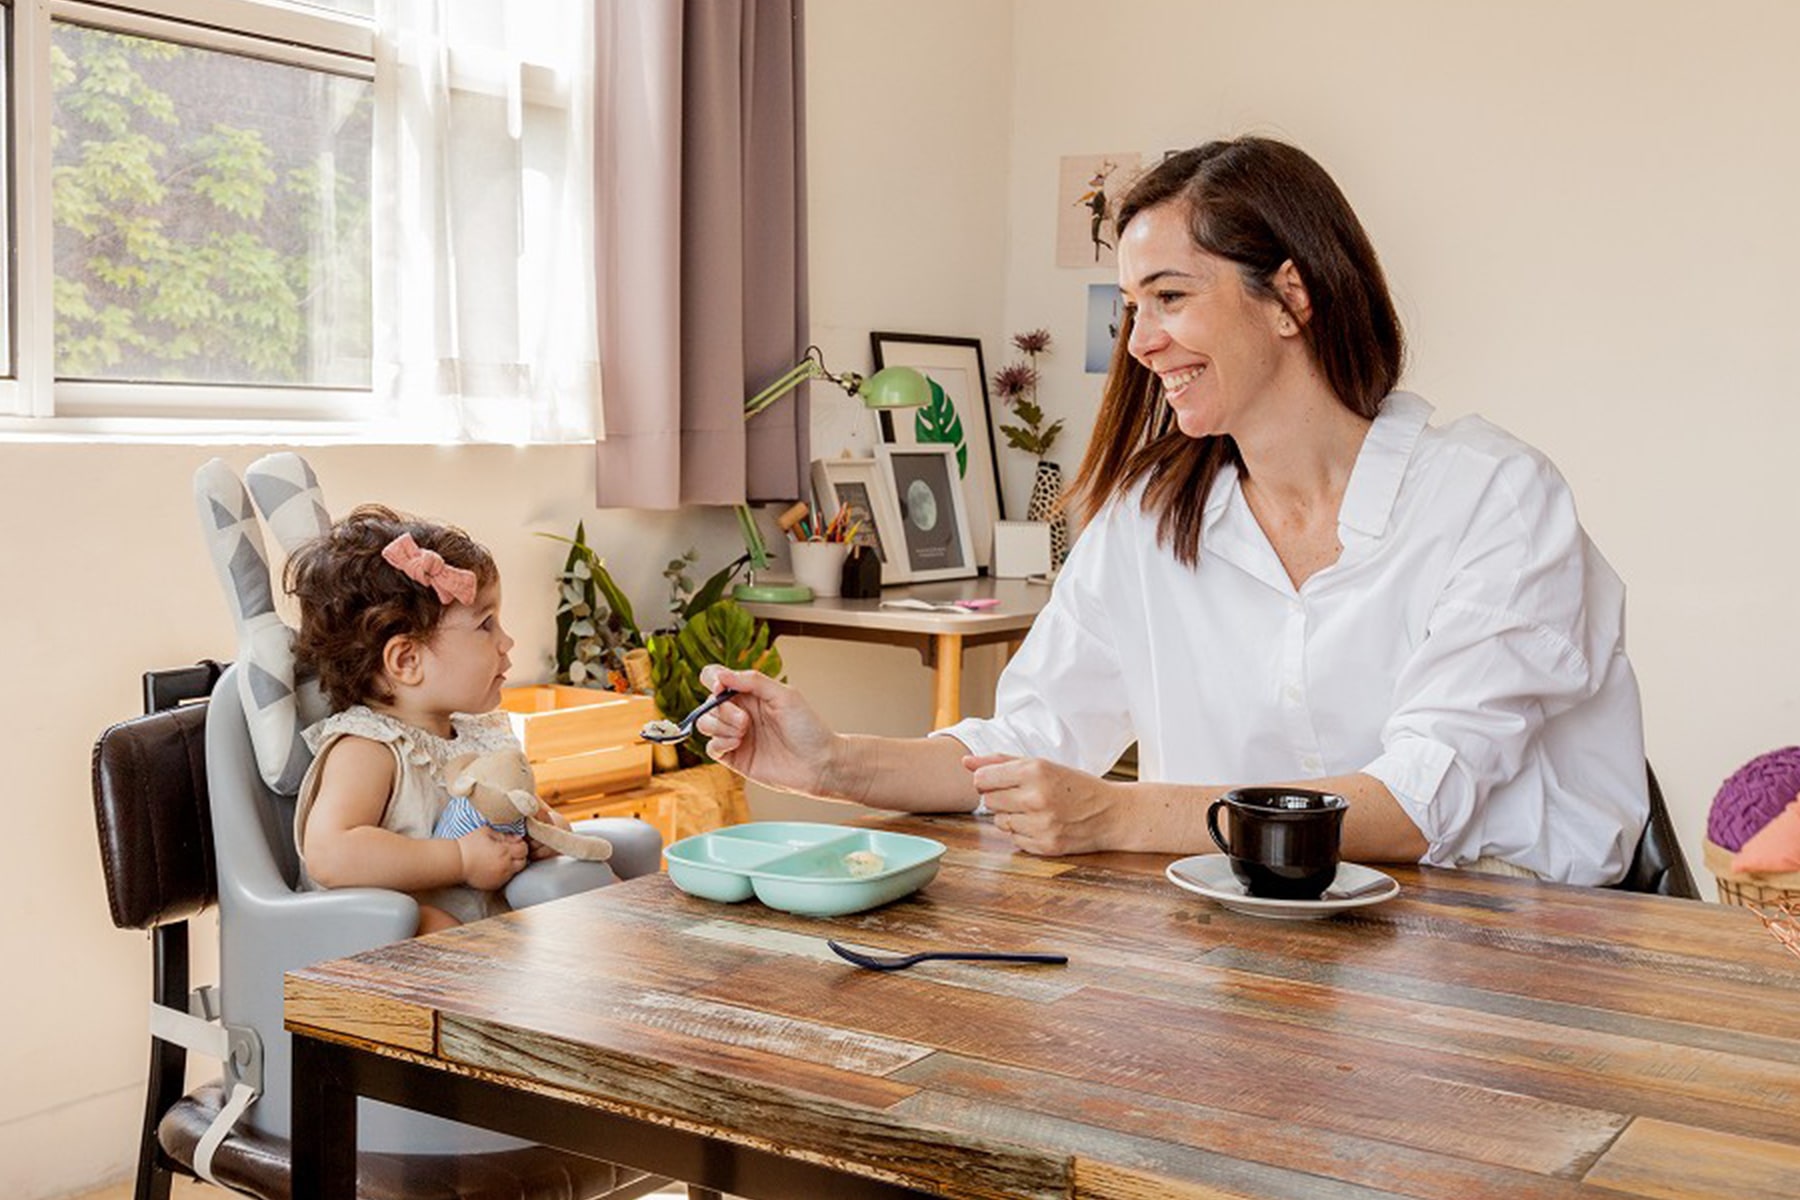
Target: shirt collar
{"type": "Point", "coordinates": [1381, 463]}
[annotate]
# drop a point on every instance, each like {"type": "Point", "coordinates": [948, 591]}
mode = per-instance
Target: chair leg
{"type": "Point", "coordinates": [168, 1062]}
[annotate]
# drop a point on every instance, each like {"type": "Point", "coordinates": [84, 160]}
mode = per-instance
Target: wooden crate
{"type": "Point", "coordinates": [678, 803]}
{"type": "Point", "coordinates": [579, 741]}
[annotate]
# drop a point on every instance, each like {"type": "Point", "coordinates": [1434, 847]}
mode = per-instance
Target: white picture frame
{"type": "Point", "coordinates": [926, 485]}
{"type": "Point", "coordinates": [864, 485]}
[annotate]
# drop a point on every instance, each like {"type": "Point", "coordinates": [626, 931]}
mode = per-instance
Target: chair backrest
{"type": "Point", "coordinates": [1658, 867]}
{"type": "Point", "coordinates": [153, 817]}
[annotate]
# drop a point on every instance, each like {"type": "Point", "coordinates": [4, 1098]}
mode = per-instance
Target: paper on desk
{"type": "Point", "coordinates": [952, 606]}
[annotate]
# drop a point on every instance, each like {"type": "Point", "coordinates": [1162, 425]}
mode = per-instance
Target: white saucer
{"type": "Point", "coordinates": [1210, 875]}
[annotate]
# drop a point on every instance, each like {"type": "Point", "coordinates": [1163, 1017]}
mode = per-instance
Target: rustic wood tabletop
{"type": "Point", "coordinates": [1473, 1036]}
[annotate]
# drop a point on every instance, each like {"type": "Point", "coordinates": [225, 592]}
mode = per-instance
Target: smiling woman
{"type": "Point", "coordinates": [1289, 576]}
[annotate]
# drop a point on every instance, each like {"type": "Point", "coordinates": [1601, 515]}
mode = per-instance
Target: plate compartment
{"type": "Point", "coordinates": [801, 866]}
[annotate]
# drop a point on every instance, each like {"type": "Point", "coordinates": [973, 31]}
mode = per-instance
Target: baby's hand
{"type": "Point", "coordinates": [548, 816]}
{"type": "Point", "coordinates": [490, 859]}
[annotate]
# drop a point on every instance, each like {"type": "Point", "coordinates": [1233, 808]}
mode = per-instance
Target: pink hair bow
{"type": "Point", "coordinates": [428, 567]}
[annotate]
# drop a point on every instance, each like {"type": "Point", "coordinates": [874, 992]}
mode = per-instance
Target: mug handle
{"type": "Point", "coordinates": [1212, 824]}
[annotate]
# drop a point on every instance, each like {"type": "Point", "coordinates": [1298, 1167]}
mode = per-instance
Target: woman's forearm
{"type": "Point", "coordinates": [907, 774]}
{"type": "Point", "coordinates": [1170, 818]}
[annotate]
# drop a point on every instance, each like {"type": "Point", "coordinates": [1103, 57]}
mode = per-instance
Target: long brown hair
{"type": "Point", "coordinates": [1258, 203]}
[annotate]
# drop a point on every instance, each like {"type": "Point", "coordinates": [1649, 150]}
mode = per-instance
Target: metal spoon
{"type": "Point", "coordinates": [889, 962]}
{"type": "Point", "coordinates": [680, 731]}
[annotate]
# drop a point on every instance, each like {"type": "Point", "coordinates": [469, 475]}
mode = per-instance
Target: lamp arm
{"type": "Point", "coordinates": [755, 548]}
{"type": "Point", "coordinates": [806, 369]}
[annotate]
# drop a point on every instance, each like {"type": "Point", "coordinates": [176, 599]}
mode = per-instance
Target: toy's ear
{"type": "Point", "coordinates": [461, 779]}
{"type": "Point", "coordinates": [526, 802]}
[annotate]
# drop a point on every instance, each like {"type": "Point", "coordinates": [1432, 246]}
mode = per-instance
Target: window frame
{"type": "Point", "coordinates": [32, 399]}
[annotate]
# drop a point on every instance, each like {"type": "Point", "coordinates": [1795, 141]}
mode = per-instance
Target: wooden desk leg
{"type": "Point", "coordinates": [324, 1123]}
{"type": "Point", "coordinates": [946, 701]}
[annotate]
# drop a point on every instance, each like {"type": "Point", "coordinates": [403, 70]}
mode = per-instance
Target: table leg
{"type": "Point", "coordinates": [324, 1116]}
{"type": "Point", "coordinates": [946, 701]}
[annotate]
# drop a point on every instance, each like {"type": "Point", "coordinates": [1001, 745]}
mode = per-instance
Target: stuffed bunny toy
{"type": "Point", "coordinates": [497, 789]}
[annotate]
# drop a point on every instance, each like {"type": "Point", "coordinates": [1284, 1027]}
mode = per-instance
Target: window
{"type": "Point", "coordinates": [199, 198]}
{"type": "Point", "coordinates": [211, 215]}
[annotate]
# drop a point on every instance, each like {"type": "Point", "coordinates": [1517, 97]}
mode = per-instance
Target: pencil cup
{"type": "Point", "coordinates": [819, 565]}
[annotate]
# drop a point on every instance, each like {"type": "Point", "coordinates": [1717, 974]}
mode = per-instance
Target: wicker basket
{"type": "Point", "coordinates": [1751, 891]}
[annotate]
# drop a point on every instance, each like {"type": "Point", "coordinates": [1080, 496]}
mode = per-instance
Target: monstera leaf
{"type": "Point", "coordinates": [938, 423]}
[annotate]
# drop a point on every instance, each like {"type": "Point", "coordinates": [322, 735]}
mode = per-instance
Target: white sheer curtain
{"type": "Point", "coordinates": [484, 290]}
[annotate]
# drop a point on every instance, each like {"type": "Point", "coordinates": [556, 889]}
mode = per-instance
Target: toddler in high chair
{"type": "Point", "coordinates": [400, 618]}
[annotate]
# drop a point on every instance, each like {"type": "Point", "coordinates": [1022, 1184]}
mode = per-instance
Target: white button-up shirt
{"type": "Point", "coordinates": [1466, 649]}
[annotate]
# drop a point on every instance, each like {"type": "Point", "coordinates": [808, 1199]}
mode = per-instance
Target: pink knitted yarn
{"type": "Point", "coordinates": [1751, 798]}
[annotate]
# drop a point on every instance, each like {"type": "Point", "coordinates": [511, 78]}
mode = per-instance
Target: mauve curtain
{"type": "Point", "coordinates": [701, 249]}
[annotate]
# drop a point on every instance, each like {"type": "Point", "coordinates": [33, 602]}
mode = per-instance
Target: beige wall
{"type": "Point", "coordinates": [1587, 213]}
{"type": "Point", "coordinates": [1587, 237]}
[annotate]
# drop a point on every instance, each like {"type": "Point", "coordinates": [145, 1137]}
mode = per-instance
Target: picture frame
{"type": "Point", "coordinates": [863, 484]}
{"type": "Point", "coordinates": [958, 369]}
{"type": "Point", "coordinates": [926, 484]}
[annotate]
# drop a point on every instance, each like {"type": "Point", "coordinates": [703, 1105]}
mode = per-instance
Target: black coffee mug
{"type": "Point", "coordinates": [1284, 841]}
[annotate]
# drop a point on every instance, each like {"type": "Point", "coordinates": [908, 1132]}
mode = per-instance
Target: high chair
{"type": "Point", "coordinates": [186, 822]}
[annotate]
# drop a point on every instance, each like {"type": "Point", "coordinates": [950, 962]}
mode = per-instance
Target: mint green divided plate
{"type": "Point", "coordinates": [803, 867]}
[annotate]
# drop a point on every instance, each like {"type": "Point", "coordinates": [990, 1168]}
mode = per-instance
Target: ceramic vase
{"type": "Point", "coordinates": [1046, 490]}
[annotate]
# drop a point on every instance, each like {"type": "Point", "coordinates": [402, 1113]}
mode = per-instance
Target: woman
{"type": "Point", "coordinates": [1289, 576]}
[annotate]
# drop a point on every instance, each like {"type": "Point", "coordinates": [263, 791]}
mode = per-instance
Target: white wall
{"type": "Point", "coordinates": [1587, 213]}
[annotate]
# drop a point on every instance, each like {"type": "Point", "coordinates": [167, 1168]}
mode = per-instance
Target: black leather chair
{"type": "Point", "coordinates": [153, 814]}
{"type": "Point", "coordinates": [1658, 867]}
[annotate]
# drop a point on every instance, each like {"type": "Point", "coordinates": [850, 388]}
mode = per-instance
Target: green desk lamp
{"type": "Point", "coordinates": [890, 387]}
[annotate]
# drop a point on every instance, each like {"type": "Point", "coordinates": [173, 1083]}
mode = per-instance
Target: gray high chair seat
{"type": "Point", "coordinates": [185, 821]}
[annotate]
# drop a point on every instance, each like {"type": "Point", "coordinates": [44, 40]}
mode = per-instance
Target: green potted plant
{"type": "Point", "coordinates": [598, 636]}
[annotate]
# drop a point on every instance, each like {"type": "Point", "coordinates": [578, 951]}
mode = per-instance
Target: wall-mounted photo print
{"type": "Point", "coordinates": [1087, 193]}
{"type": "Point", "coordinates": [1105, 310]}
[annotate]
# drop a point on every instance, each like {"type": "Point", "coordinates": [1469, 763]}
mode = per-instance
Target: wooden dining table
{"type": "Point", "coordinates": [1474, 1036]}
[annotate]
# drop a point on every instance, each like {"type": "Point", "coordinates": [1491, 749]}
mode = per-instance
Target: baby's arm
{"type": "Point", "coordinates": [345, 846]}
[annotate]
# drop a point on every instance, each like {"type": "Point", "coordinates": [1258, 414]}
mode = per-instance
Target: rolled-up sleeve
{"type": "Point", "coordinates": [1506, 647]}
{"type": "Point", "coordinates": [1063, 695]}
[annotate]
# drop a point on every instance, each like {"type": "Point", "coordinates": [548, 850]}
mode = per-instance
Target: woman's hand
{"type": "Point", "coordinates": [489, 858]}
{"type": "Point", "coordinates": [1046, 808]}
{"type": "Point", "coordinates": [769, 733]}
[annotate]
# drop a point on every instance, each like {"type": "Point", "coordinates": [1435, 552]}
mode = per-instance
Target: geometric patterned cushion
{"type": "Point", "coordinates": [286, 493]}
{"type": "Point", "coordinates": [264, 642]}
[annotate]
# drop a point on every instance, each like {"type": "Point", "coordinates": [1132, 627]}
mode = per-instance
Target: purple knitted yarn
{"type": "Point", "coordinates": [1752, 796]}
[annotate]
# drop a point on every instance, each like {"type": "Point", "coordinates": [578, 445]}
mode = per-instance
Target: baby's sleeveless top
{"type": "Point", "coordinates": [419, 793]}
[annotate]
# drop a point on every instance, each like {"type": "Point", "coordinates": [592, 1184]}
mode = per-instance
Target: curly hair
{"type": "Point", "coordinates": [352, 602]}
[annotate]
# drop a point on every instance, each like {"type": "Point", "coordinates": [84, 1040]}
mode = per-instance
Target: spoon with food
{"type": "Point", "coordinates": [680, 731]}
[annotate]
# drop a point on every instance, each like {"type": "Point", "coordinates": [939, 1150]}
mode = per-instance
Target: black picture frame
{"type": "Point", "coordinates": [949, 362]}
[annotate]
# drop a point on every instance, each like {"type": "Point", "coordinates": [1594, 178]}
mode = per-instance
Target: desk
{"type": "Point", "coordinates": [1477, 1036]}
{"type": "Point", "coordinates": [939, 637]}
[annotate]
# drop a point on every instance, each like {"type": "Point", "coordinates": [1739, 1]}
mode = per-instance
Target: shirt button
{"type": "Point", "coordinates": [1292, 692]}
{"type": "Point", "coordinates": [1311, 762]}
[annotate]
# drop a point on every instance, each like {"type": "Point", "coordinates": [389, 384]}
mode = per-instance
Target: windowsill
{"type": "Point", "coordinates": [151, 431]}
